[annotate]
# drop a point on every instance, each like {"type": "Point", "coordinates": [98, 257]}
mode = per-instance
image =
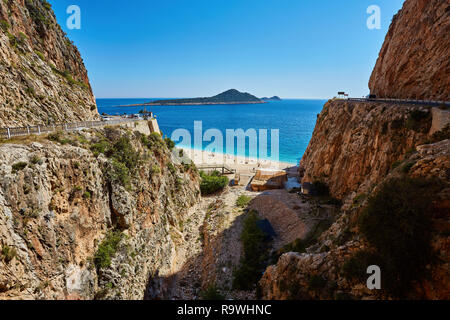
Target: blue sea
{"type": "Point", "coordinates": [295, 120]}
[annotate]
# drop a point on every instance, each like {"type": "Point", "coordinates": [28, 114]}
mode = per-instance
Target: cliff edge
{"type": "Point", "coordinates": [42, 75]}
{"type": "Point", "coordinates": [413, 62]}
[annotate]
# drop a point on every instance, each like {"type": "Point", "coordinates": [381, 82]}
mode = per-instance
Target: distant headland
{"type": "Point", "coordinates": [274, 98]}
{"type": "Point", "coordinates": [231, 96]}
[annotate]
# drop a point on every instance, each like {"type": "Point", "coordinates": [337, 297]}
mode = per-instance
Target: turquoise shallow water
{"type": "Point", "coordinates": [295, 119]}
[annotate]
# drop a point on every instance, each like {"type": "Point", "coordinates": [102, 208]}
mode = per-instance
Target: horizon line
{"type": "Point", "coordinates": [287, 98]}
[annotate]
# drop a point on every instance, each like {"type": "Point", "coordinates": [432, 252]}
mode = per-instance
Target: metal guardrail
{"type": "Point", "coordinates": [405, 101]}
{"type": "Point", "coordinates": [8, 133]}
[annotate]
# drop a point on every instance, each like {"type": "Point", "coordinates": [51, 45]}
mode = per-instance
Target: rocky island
{"type": "Point", "coordinates": [231, 96]}
{"type": "Point", "coordinates": [274, 98]}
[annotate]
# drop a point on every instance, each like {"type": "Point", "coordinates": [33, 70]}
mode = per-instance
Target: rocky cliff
{"type": "Point", "coordinates": [413, 62]}
{"type": "Point", "coordinates": [390, 166]}
{"type": "Point", "coordinates": [354, 145]}
{"type": "Point", "coordinates": [90, 215]}
{"type": "Point", "coordinates": [367, 153]}
{"type": "Point", "coordinates": [42, 75]}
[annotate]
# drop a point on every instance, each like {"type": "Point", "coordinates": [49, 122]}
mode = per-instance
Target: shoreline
{"type": "Point", "coordinates": [242, 165]}
{"type": "Point", "coordinates": [187, 104]}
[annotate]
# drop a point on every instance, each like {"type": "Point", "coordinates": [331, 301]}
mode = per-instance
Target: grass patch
{"type": "Point", "coordinates": [243, 201]}
{"type": "Point", "coordinates": [59, 138]}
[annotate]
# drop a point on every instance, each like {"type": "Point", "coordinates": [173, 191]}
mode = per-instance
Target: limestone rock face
{"type": "Point", "coordinates": [317, 274]}
{"type": "Point", "coordinates": [42, 75]}
{"type": "Point", "coordinates": [58, 204]}
{"type": "Point", "coordinates": [354, 145]}
{"type": "Point", "coordinates": [414, 60]}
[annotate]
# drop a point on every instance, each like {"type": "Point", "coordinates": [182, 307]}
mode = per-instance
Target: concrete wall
{"type": "Point", "coordinates": [441, 119]}
{"type": "Point", "coordinates": [144, 126]}
{"type": "Point", "coordinates": [154, 127]}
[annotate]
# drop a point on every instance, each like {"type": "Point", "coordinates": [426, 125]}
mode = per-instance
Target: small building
{"type": "Point", "coordinates": [268, 179]}
{"type": "Point", "coordinates": [342, 95]}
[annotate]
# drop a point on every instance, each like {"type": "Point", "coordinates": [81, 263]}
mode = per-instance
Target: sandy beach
{"type": "Point", "coordinates": [242, 165]}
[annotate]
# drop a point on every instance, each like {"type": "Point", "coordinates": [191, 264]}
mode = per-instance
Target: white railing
{"type": "Point", "coordinates": [407, 101]}
{"type": "Point", "coordinates": [8, 133]}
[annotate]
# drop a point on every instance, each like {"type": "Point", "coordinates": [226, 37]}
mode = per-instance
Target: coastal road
{"type": "Point", "coordinates": [8, 133]}
{"type": "Point", "coordinates": [403, 101]}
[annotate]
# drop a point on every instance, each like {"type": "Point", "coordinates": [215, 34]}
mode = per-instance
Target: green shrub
{"type": "Point", "coordinates": [4, 25]}
{"type": "Point", "coordinates": [212, 294]}
{"type": "Point", "coordinates": [40, 55]}
{"type": "Point", "coordinates": [171, 168]}
{"type": "Point", "coordinates": [58, 137]}
{"type": "Point", "coordinates": [243, 201]}
{"type": "Point", "coordinates": [119, 173]}
{"type": "Point", "coordinates": [154, 141]}
{"type": "Point", "coordinates": [255, 254]}
{"type": "Point", "coordinates": [155, 170]}
{"type": "Point", "coordinates": [397, 223]}
{"type": "Point", "coordinates": [124, 159]}
{"type": "Point", "coordinates": [8, 253]}
{"type": "Point", "coordinates": [87, 195]}
{"type": "Point", "coordinates": [107, 249]}
{"type": "Point", "coordinates": [100, 147]}
{"type": "Point", "coordinates": [124, 152]}
{"type": "Point", "coordinates": [212, 183]}
{"type": "Point", "coordinates": [19, 166]}
{"type": "Point", "coordinates": [169, 143]}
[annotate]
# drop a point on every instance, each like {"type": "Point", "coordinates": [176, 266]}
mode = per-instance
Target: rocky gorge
{"type": "Point", "coordinates": [113, 213]}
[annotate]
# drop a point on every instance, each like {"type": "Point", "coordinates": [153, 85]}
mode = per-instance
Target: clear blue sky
{"type": "Point", "coordinates": [179, 48]}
